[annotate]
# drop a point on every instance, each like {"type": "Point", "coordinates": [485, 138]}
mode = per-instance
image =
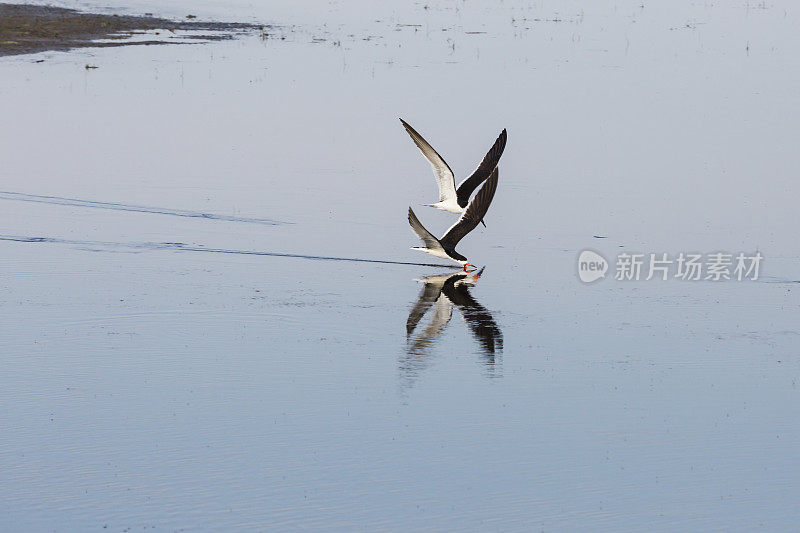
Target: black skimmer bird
{"type": "Point", "coordinates": [452, 198]}
{"type": "Point", "coordinates": [445, 247]}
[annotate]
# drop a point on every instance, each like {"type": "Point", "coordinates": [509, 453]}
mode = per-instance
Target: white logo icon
{"type": "Point", "coordinates": [591, 266]}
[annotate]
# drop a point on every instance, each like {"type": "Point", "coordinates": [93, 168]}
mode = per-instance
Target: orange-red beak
{"type": "Point", "coordinates": [469, 265]}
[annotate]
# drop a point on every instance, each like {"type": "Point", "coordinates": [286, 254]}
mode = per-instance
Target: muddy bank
{"type": "Point", "coordinates": [26, 29]}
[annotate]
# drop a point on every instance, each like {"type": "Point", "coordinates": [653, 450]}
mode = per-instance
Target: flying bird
{"type": "Point", "coordinates": [451, 198]}
{"type": "Point", "coordinates": [445, 247]}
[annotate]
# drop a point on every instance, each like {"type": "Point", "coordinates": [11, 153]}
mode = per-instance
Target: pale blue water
{"type": "Point", "coordinates": [166, 370]}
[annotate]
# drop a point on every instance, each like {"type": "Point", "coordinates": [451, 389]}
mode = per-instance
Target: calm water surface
{"type": "Point", "coordinates": [187, 344]}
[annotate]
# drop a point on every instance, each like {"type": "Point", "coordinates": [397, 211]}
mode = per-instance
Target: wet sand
{"type": "Point", "coordinates": [26, 29]}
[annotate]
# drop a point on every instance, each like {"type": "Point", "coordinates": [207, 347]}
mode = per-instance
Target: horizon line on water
{"type": "Point", "coordinates": [182, 247]}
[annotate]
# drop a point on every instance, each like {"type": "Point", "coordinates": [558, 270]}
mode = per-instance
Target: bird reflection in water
{"type": "Point", "coordinates": [441, 292]}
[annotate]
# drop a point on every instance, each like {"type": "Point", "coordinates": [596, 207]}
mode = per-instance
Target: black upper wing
{"type": "Point", "coordinates": [466, 187]}
{"type": "Point", "coordinates": [473, 214]}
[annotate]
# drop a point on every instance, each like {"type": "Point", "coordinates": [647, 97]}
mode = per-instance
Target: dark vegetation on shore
{"type": "Point", "coordinates": [26, 29]}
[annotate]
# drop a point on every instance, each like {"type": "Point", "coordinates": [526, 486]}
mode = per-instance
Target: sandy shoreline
{"type": "Point", "coordinates": [26, 29]}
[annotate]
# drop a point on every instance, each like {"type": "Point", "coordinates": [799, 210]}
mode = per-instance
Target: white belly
{"type": "Point", "coordinates": [449, 206]}
{"type": "Point", "coordinates": [436, 253]}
